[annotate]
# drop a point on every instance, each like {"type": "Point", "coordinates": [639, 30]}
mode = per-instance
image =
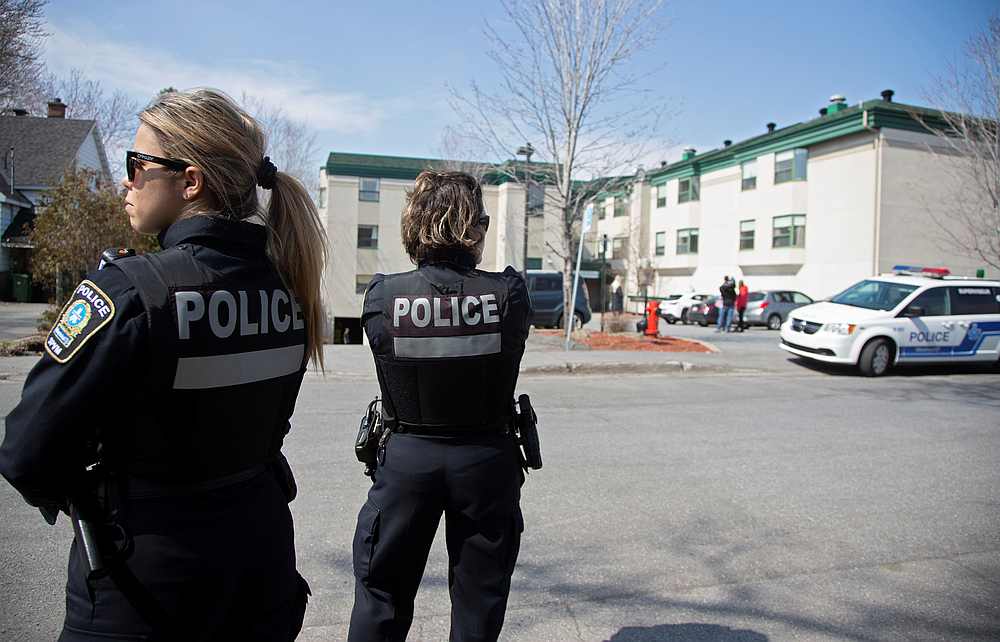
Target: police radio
{"type": "Point", "coordinates": [113, 254]}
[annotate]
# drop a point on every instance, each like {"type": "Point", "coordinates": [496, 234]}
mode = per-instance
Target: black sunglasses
{"type": "Point", "coordinates": [132, 156]}
{"type": "Point", "coordinates": [484, 221]}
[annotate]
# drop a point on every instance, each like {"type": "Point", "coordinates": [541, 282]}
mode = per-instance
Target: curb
{"type": "Point", "coordinates": [663, 367]}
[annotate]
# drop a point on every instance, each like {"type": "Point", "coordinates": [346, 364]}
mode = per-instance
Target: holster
{"type": "Point", "coordinates": [370, 433]}
{"type": "Point", "coordinates": [526, 423]}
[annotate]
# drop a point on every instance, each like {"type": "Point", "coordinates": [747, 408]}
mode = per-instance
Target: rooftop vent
{"type": "Point", "coordinates": [770, 128]}
{"type": "Point", "coordinates": [688, 154]}
{"type": "Point", "coordinates": [887, 95]}
{"type": "Point", "coordinates": [822, 111]}
{"type": "Point", "coordinates": [727, 143]}
{"type": "Point", "coordinates": [663, 163]}
{"type": "Point", "coordinates": [837, 103]}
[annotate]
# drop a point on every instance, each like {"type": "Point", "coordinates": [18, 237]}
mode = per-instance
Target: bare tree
{"type": "Point", "coordinates": [291, 145]}
{"type": "Point", "coordinates": [116, 114]}
{"type": "Point", "coordinates": [566, 85]}
{"type": "Point", "coordinates": [21, 35]}
{"type": "Point", "coordinates": [971, 137]}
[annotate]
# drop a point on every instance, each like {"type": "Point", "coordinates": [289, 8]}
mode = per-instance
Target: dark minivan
{"type": "Point", "coordinates": [545, 290]}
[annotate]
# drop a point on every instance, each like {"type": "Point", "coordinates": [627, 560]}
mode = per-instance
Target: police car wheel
{"type": "Point", "coordinates": [774, 322]}
{"type": "Point", "coordinates": [876, 357]}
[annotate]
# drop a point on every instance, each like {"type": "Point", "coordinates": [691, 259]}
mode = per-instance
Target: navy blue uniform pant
{"type": "Point", "coordinates": [475, 482]}
{"type": "Point", "coordinates": [219, 565]}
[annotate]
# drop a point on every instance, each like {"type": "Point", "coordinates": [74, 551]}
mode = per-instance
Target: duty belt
{"type": "Point", "coordinates": [139, 488]}
{"type": "Point", "coordinates": [501, 426]}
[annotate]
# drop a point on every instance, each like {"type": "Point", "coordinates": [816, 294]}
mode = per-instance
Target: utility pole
{"type": "Point", "coordinates": [527, 151]}
{"type": "Point", "coordinates": [604, 262]}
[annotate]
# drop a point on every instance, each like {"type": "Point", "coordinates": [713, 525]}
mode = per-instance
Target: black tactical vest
{"type": "Point", "coordinates": [227, 355]}
{"type": "Point", "coordinates": [447, 340]}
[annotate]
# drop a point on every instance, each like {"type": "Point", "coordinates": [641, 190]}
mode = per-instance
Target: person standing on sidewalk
{"type": "Point", "coordinates": [728, 292]}
{"type": "Point", "coordinates": [741, 305]}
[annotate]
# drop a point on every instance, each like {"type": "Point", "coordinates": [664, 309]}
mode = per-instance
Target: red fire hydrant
{"type": "Point", "coordinates": [652, 318]}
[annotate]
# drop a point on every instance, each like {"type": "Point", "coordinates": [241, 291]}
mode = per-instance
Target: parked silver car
{"type": "Point", "coordinates": [771, 307]}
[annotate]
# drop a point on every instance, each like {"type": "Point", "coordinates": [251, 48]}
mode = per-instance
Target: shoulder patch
{"type": "Point", "coordinates": [88, 310]}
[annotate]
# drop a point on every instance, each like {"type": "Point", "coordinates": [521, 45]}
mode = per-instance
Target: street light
{"type": "Point", "coordinates": [603, 253]}
{"type": "Point", "coordinates": [527, 151]}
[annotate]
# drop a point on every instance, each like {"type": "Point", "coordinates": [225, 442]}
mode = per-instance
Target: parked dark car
{"type": "Point", "coordinates": [771, 307]}
{"type": "Point", "coordinates": [545, 288]}
{"type": "Point", "coordinates": [705, 312]}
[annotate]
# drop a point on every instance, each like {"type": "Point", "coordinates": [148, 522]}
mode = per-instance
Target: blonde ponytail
{"type": "Point", "coordinates": [297, 244]}
{"type": "Point", "coordinates": [209, 130]}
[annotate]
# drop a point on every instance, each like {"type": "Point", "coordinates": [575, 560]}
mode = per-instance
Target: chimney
{"type": "Point", "coordinates": [663, 163]}
{"type": "Point", "coordinates": [770, 128]}
{"type": "Point", "coordinates": [727, 143]}
{"type": "Point", "coordinates": [57, 108]}
{"type": "Point", "coordinates": [822, 111]}
{"type": "Point", "coordinates": [688, 154]}
{"type": "Point", "coordinates": [887, 95]}
{"type": "Point", "coordinates": [837, 103]}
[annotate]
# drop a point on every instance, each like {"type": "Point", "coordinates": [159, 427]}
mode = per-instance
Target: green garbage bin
{"type": "Point", "coordinates": [22, 287]}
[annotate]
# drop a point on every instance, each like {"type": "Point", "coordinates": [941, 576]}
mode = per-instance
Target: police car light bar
{"type": "Point", "coordinates": [913, 270]}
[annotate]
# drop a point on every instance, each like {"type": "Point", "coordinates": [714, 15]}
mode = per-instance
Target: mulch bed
{"type": "Point", "coordinates": [629, 342]}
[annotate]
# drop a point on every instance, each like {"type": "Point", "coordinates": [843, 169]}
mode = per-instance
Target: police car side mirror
{"type": "Point", "coordinates": [913, 311]}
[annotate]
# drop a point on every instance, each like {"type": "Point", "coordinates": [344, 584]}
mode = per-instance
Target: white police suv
{"type": "Point", "coordinates": [914, 315]}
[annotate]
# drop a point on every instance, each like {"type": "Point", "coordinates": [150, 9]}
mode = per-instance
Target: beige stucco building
{"type": "Point", "coordinates": [813, 207]}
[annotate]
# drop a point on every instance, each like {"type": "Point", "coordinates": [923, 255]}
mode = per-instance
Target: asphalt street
{"type": "Point", "coordinates": [755, 500]}
{"type": "Point", "coordinates": [19, 319]}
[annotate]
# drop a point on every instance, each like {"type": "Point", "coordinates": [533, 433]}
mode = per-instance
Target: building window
{"type": "Point", "coordinates": [661, 243]}
{"type": "Point", "coordinates": [747, 230]}
{"type": "Point", "coordinates": [619, 247]}
{"type": "Point", "coordinates": [661, 195]}
{"type": "Point", "coordinates": [536, 199]}
{"type": "Point", "coordinates": [322, 198]}
{"type": "Point", "coordinates": [687, 241]}
{"type": "Point", "coordinates": [368, 237]}
{"type": "Point", "coordinates": [748, 171]}
{"type": "Point", "coordinates": [790, 165]}
{"type": "Point", "coordinates": [534, 263]}
{"type": "Point", "coordinates": [620, 206]}
{"type": "Point", "coordinates": [368, 189]}
{"type": "Point", "coordinates": [688, 189]}
{"type": "Point", "coordinates": [361, 282]}
{"type": "Point", "coordinates": [789, 231]}
{"type": "Point", "coordinates": [602, 211]}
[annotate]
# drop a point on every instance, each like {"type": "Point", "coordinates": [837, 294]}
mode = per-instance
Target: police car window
{"type": "Point", "coordinates": [973, 300]}
{"type": "Point", "coordinates": [933, 303]}
{"type": "Point", "coordinates": [874, 295]}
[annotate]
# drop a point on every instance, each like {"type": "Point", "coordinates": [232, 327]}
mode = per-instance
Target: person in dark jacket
{"type": "Point", "coordinates": [178, 372]}
{"type": "Point", "coordinates": [447, 339]}
{"type": "Point", "coordinates": [728, 292]}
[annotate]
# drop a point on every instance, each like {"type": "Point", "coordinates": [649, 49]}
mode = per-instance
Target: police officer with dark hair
{"type": "Point", "coordinates": [157, 414]}
{"type": "Point", "coordinates": [447, 340]}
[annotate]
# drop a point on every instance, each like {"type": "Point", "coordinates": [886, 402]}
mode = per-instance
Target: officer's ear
{"type": "Point", "coordinates": [194, 183]}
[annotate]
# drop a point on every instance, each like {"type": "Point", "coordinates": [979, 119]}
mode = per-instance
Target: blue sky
{"type": "Point", "coordinates": [372, 76]}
